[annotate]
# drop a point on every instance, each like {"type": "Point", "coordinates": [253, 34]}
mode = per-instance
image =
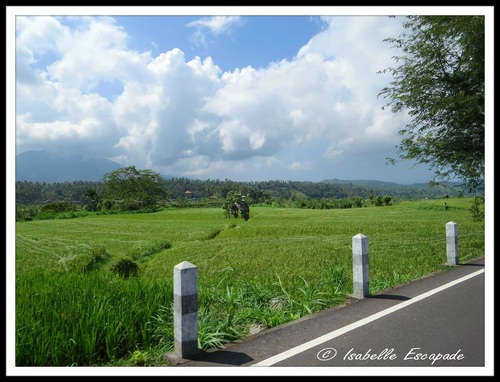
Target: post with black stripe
{"type": "Point", "coordinates": [186, 309]}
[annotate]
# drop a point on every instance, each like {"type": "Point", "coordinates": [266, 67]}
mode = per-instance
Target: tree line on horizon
{"type": "Point", "coordinates": [145, 184]}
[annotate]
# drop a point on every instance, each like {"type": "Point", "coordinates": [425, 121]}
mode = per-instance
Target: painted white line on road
{"type": "Point", "coordinates": [318, 341]}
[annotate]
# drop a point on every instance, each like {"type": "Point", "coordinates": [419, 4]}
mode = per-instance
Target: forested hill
{"type": "Point", "coordinates": [389, 188]}
{"type": "Point", "coordinates": [38, 192]}
{"type": "Point", "coordinates": [42, 176]}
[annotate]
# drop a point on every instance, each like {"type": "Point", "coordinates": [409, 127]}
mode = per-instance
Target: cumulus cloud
{"type": "Point", "coordinates": [187, 117]}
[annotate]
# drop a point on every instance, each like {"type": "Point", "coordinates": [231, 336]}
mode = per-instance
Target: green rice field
{"type": "Point", "coordinates": [98, 290]}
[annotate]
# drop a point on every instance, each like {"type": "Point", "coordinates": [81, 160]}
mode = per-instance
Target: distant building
{"type": "Point", "coordinates": [188, 194]}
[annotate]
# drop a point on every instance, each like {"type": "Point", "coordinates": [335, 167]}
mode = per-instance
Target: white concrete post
{"type": "Point", "coordinates": [185, 309]}
{"type": "Point", "coordinates": [360, 266]}
{"type": "Point", "coordinates": [452, 243]}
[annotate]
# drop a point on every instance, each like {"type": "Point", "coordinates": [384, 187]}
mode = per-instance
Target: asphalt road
{"type": "Point", "coordinates": [435, 323]}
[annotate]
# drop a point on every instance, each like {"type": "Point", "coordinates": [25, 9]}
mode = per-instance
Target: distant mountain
{"type": "Point", "coordinates": [41, 166]}
{"type": "Point", "coordinates": [371, 182]}
{"type": "Point", "coordinates": [390, 188]}
{"type": "Point", "coordinates": [365, 182]}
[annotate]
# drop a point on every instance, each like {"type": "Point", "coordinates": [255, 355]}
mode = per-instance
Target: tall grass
{"type": "Point", "coordinates": [76, 305]}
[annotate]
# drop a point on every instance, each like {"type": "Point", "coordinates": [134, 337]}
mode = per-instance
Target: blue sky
{"type": "Point", "coordinates": [242, 40]}
{"type": "Point", "coordinates": [240, 93]}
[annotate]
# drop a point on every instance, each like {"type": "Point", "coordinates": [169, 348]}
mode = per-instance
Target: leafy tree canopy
{"type": "Point", "coordinates": [134, 188]}
{"type": "Point", "coordinates": [440, 83]}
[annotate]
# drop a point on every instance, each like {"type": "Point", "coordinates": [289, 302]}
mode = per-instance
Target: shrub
{"type": "Point", "coordinates": [126, 268]}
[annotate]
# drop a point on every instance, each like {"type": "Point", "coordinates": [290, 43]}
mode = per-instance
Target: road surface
{"type": "Point", "coordinates": [435, 323]}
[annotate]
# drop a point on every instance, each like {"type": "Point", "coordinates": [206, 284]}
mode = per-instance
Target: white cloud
{"type": "Point", "coordinates": [296, 165]}
{"type": "Point", "coordinates": [215, 25]}
{"type": "Point", "coordinates": [187, 118]}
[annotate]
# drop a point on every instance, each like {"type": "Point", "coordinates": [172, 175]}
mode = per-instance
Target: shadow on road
{"type": "Point", "coordinates": [224, 357]}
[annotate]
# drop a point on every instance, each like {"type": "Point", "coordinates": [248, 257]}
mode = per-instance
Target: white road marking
{"type": "Point", "coordinates": [318, 341]}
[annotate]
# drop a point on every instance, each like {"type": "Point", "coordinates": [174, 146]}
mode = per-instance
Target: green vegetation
{"type": "Point", "coordinates": [98, 289]}
{"type": "Point", "coordinates": [128, 189]}
{"type": "Point", "coordinates": [39, 201]}
{"type": "Point", "coordinates": [438, 81]}
{"type": "Point", "coordinates": [207, 193]}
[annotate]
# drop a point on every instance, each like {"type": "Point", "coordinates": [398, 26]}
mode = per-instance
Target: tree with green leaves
{"type": "Point", "coordinates": [439, 81]}
{"type": "Point", "coordinates": [235, 205]}
{"type": "Point", "coordinates": [130, 189]}
{"type": "Point", "coordinates": [95, 200]}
